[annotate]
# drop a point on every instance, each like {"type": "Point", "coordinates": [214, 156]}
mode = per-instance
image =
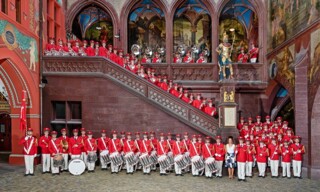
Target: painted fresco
{"type": "Point", "coordinates": [100, 31]}
{"type": "Point", "coordinates": [314, 66]}
{"type": "Point", "coordinates": [25, 46]}
{"type": "Point", "coordinates": [288, 17]}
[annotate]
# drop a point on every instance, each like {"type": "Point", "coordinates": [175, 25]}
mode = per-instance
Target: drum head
{"type": "Point", "coordinates": [104, 152]}
{"type": "Point", "coordinates": [195, 158]}
{"type": "Point", "coordinates": [178, 157]}
{"type": "Point", "coordinates": [129, 154]}
{"type": "Point", "coordinates": [76, 166]}
{"type": "Point", "coordinates": [210, 160]}
{"type": "Point", "coordinates": [114, 154]}
{"type": "Point", "coordinates": [162, 157]}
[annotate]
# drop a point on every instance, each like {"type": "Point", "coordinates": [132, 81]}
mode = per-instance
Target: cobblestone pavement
{"type": "Point", "coordinates": [12, 179]}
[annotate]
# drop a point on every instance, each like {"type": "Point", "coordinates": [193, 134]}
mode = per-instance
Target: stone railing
{"type": "Point", "coordinates": [100, 67]}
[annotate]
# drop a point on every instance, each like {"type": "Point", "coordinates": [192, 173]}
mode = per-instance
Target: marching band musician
{"type": "Point", "coordinates": [178, 149]}
{"type": "Point", "coordinates": [103, 49]}
{"type": "Point", "coordinates": [274, 150]}
{"type": "Point", "coordinates": [195, 149]}
{"type": "Point", "coordinates": [164, 83]}
{"type": "Point", "coordinates": [186, 144]}
{"type": "Point", "coordinates": [250, 123]}
{"type": "Point", "coordinates": [258, 122]}
{"type": "Point", "coordinates": [145, 148]}
{"type": "Point", "coordinates": [170, 146]}
{"type": "Point", "coordinates": [286, 154]}
{"type": "Point", "coordinates": [261, 156]}
{"type": "Point", "coordinates": [245, 132]}
{"type": "Point", "coordinates": [241, 153]}
{"type": "Point", "coordinates": [243, 57]}
{"type": "Point", "coordinates": [103, 143]}
{"type": "Point", "coordinates": [68, 49]}
{"type": "Point", "coordinates": [279, 120]}
{"type": "Point", "coordinates": [254, 51]}
{"type": "Point", "coordinates": [162, 149]}
{"type": "Point", "coordinates": [240, 124]}
{"type": "Point", "coordinates": [96, 48]}
{"type": "Point", "coordinates": [210, 109]}
{"type": "Point", "coordinates": [251, 151]}
{"type": "Point", "coordinates": [75, 145]}
{"type": "Point", "coordinates": [175, 91]}
{"type": "Point", "coordinates": [51, 45]}
{"type": "Point", "coordinates": [90, 146]}
{"type": "Point", "coordinates": [170, 85]}
{"type": "Point", "coordinates": [197, 102]}
{"type": "Point", "coordinates": [142, 74]}
{"type": "Point", "coordinates": [114, 146]}
{"type": "Point", "coordinates": [30, 144]}
{"type": "Point", "coordinates": [180, 91]}
{"type": "Point", "coordinates": [120, 59]}
{"type": "Point", "coordinates": [83, 48]}
{"type": "Point", "coordinates": [55, 148]}
{"type": "Point", "coordinates": [44, 144]}
{"type": "Point", "coordinates": [188, 58]}
{"type": "Point", "coordinates": [90, 51]}
{"type": "Point", "coordinates": [177, 58]}
{"type": "Point", "coordinates": [219, 155]}
{"type": "Point", "coordinates": [76, 47]}
{"type": "Point", "coordinates": [203, 105]}
{"type": "Point", "coordinates": [65, 140]}
{"type": "Point", "coordinates": [268, 122]}
{"type": "Point", "coordinates": [129, 146]}
{"type": "Point", "coordinates": [157, 58]}
{"type": "Point", "coordinates": [83, 151]}
{"type": "Point", "coordinates": [145, 59]}
{"type": "Point", "coordinates": [201, 59]}
{"type": "Point", "coordinates": [109, 51]}
{"type": "Point", "coordinates": [207, 151]}
{"type": "Point", "coordinates": [185, 97]}
{"type": "Point", "coordinates": [297, 150]}
{"type": "Point", "coordinates": [60, 46]}
{"type": "Point", "coordinates": [154, 142]}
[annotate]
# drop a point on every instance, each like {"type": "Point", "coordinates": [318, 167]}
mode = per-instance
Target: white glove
{"type": "Point", "coordinates": [26, 138]}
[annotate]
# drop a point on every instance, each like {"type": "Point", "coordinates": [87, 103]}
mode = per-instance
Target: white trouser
{"type": "Point", "coordinates": [253, 60]}
{"type": "Point", "coordinates": [249, 168]}
{"type": "Point", "coordinates": [75, 156]}
{"type": "Point", "coordinates": [114, 168]}
{"type": "Point", "coordinates": [103, 163]}
{"type": "Point", "coordinates": [91, 166]}
{"type": "Point", "coordinates": [194, 170]}
{"type": "Point", "coordinates": [154, 167]}
{"type": "Point", "coordinates": [208, 173]}
{"type": "Point", "coordinates": [146, 169]}
{"type": "Point", "coordinates": [162, 170]}
{"type": "Point", "coordinates": [84, 156]}
{"type": "Point", "coordinates": [296, 165]}
{"type": "Point", "coordinates": [262, 168]}
{"type": "Point", "coordinates": [65, 157]}
{"type": "Point", "coordinates": [54, 169]}
{"type": "Point", "coordinates": [45, 162]}
{"type": "Point", "coordinates": [177, 169]}
{"type": "Point", "coordinates": [219, 167]}
{"type": "Point", "coordinates": [241, 170]}
{"type": "Point", "coordinates": [274, 166]}
{"type": "Point", "coordinates": [29, 161]}
{"type": "Point", "coordinates": [286, 169]}
{"type": "Point", "coordinates": [129, 167]}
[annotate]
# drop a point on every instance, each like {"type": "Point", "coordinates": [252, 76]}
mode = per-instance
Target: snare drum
{"type": "Point", "coordinates": [179, 160]}
{"type": "Point", "coordinates": [164, 162]}
{"type": "Point", "coordinates": [170, 157]}
{"type": "Point", "coordinates": [131, 158]}
{"type": "Point", "coordinates": [92, 157]}
{"type": "Point", "coordinates": [58, 161]}
{"type": "Point", "coordinates": [197, 162]}
{"type": "Point", "coordinates": [145, 160]}
{"type": "Point", "coordinates": [105, 156]}
{"type": "Point", "coordinates": [76, 166]}
{"type": "Point", "coordinates": [154, 157]}
{"type": "Point", "coordinates": [116, 159]}
{"type": "Point", "coordinates": [210, 163]}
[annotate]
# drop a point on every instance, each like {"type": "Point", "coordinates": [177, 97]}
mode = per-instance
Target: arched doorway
{"type": "Point", "coordinates": [192, 29]}
{"type": "Point", "coordinates": [146, 29]}
{"type": "Point", "coordinates": [239, 20]}
{"type": "Point", "coordinates": [5, 120]}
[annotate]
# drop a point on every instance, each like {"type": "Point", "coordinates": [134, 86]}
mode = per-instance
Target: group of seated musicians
{"type": "Point", "coordinates": [179, 155]}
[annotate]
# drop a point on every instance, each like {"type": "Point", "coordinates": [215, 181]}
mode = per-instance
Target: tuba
{"type": "Point", "coordinates": [161, 51]}
{"type": "Point", "coordinates": [181, 50]}
{"type": "Point", "coordinates": [148, 52]}
{"type": "Point", "coordinates": [135, 49]}
{"type": "Point", "coordinates": [65, 145]}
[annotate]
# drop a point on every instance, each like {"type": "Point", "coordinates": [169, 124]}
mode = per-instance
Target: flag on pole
{"type": "Point", "coordinates": [23, 112]}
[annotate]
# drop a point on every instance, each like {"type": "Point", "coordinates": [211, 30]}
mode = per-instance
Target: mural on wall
{"type": "Point", "coordinates": [100, 31]}
{"type": "Point", "coordinates": [34, 16]}
{"type": "Point", "coordinates": [288, 17]}
{"type": "Point", "coordinates": [25, 46]}
{"type": "Point", "coordinates": [314, 66]}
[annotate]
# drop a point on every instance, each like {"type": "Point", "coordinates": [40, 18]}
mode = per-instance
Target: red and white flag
{"type": "Point", "coordinates": [23, 112]}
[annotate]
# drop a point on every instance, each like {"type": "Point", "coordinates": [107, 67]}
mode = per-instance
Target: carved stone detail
{"type": "Point", "coordinates": [247, 74]}
{"type": "Point", "coordinates": [182, 73]}
{"type": "Point", "coordinates": [204, 123]}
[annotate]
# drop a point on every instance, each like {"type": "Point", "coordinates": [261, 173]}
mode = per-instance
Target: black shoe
{"type": "Point", "coordinates": [300, 177]}
{"type": "Point", "coordinates": [288, 177]}
{"type": "Point", "coordinates": [26, 175]}
{"type": "Point", "coordinates": [177, 174]}
{"type": "Point", "coordinates": [44, 172]}
{"type": "Point", "coordinates": [112, 172]}
{"type": "Point", "coordinates": [283, 176]}
{"type": "Point", "coordinates": [244, 180]}
{"type": "Point", "coordinates": [31, 174]}
{"type": "Point", "coordinates": [181, 175]}
{"type": "Point", "coordinates": [116, 172]}
{"type": "Point", "coordinates": [47, 171]}
{"type": "Point", "coordinates": [128, 173]}
{"type": "Point", "coordinates": [160, 174]}
{"type": "Point", "coordinates": [263, 176]}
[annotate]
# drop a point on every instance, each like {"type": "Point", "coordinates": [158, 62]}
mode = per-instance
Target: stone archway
{"type": "Point", "coordinates": [315, 137]}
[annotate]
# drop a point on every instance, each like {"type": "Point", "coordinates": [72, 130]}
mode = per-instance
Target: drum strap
{"type": "Point", "coordinates": [185, 144]}
{"type": "Point", "coordinates": [136, 142]}
{"type": "Point", "coordinates": [161, 147]}
{"type": "Point", "coordinates": [55, 146]}
{"type": "Point", "coordinates": [144, 145]}
{"type": "Point", "coordinates": [114, 145]}
{"type": "Point", "coordinates": [177, 143]}
{"type": "Point", "coordinates": [104, 143]}
{"type": "Point", "coordinates": [29, 147]}
{"type": "Point", "coordinates": [129, 145]}
{"type": "Point", "coordinates": [195, 149]}
{"type": "Point", "coordinates": [208, 150]}
{"type": "Point", "coordinates": [169, 145]}
{"type": "Point", "coordinates": [90, 144]}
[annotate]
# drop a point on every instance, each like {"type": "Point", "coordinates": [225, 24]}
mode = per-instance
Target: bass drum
{"type": "Point", "coordinates": [76, 166]}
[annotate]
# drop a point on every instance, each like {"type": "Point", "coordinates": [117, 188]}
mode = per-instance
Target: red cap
{"type": "Point", "coordinates": [209, 101]}
{"type": "Point", "coordinates": [110, 45]}
{"type": "Point", "coordinates": [120, 51]}
{"type": "Point", "coordinates": [279, 118]}
{"type": "Point", "coordinates": [29, 129]}
{"type": "Point", "coordinates": [114, 132]}
{"type": "Point", "coordinates": [242, 48]}
{"type": "Point", "coordinates": [92, 41]}
{"type": "Point", "coordinates": [201, 54]}
{"type": "Point", "coordinates": [75, 131]}
{"type": "Point", "coordinates": [261, 141]}
{"type": "Point", "coordinates": [122, 133]}
{"type": "Point", "coordinates": [286, 140]}
{"type": "Point", "coordinates": [285, 122]}
{"type": "Point", "coordinates": [103, 41]}
{"type": "Point", "coordinates": [185, 133]}
{"type": "Point", "coordinates": [137, 133]}
{"type": "Point", "coordinates": [128, 133]}
{"type": "Point", "coordinates": [63, 130]}
{"type": "Point", "coordinates": [258, 117]}
{"type": "Point", "coordinates": [97, 43]}
{"type": "Point", "coordinates": [297, 137]}
{"type": "Point", "coordinates": [53, 132]}
{"type": "Point", "coordinates": [194, 136]}
{"type": "Point", "coordinates": [240, 138]}
{"type": "Point", "coordinates": [161, 134]}
{"type": "Point", "coordinates": [199, 136]}
{"type": "Point", "coordinates": [289, 129]}
{"type": "Point", "coordinates": [267, 117]}
{"type": "Point", "coordinates": [248, 140]}
{"type": "Point", "coordinates": [218, 137]}
{"type": "Point", "coordinates": [152, 132]}
{"type": "Point", "coordinates": [241, 118]}
{"type": "Point", "coordinates": [208, 138]}
{"type": "Point", "coordinates": [249, 118]}
{"type": "Point", "coordinates": [46, 129]}
{"type": "Point", "coordinates": [83, 129]}
{"type": "Point", "coordinates": [145, 133]}
{"type": "Point", "coordinates": [169, 134]}
{"type": "Point", "coordinates": [59, 39]}
{"type": "Point", "coordinates": [245, 124]}
{"type": "Point", "coordinates": [103, 131]}
{"type": "Point", "coordinates": [84, 41]}
{"type": "Point", "coordinates": [185, 91]}
{"type": "Point", "coordinates": [178, 135]}
{"type": "Point", "coordinates": [89, 133]}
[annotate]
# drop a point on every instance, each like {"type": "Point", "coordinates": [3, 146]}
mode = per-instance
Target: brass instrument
{"type": "Point", "coordinates": [181, 50]}
{"type": "Point", "coordinates": [148, 52]}
{"type": "Point", "coordinates": [135, 49]}
{"type": "Point", "coordinates": [64, 144]}
{"type": "Point", "coordinates": [161, 51]}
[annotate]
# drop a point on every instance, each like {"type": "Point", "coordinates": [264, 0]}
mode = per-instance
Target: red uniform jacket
{"type": "Point", "coordinates": [75, 49]}
{"type": "Point", "coordinates": [103, 143]}
{"type": "Point", "coordinates": [186, 144]}
{"type": "Point", "coordinates": [59, 48]}
{"type": "Point", "coordinates": [262, 154]}
{"type": "Point", "coordinates": [243, 58]}
{"type": "Point", "coordinates": [162, 147]}
{"type": "Point", "coordinates": [144, 60]}
{"type": "Point", "coordinates": [63, 140]}
{"type": "Point", "coordinates": [201, 61]}
{"type": "Point", "coordinates": [194, 149]}
{"type": "Point", "coordinates": [90, 145]}
{"type": "Point", "coordinates": [210, 110]}
{"type": "Point", "coordinates": [241, 151]}
{"type": "Point", "coordinates": [164, 86]}
{"type": "Point", "coordinates": [177, 60]}
{"type": "Point", "coordinates": [286, 153]}
{"type": "Point", "coordinates": [251, 151]}
{"type": "Point", "coordinates": [137, 143]}
{"type": "Point", "coordinates": [187, 59]}
{"type": "Point", "coordinates": [175, 92]}
{"type": "Point", "coordinates": [207, 151]}
{"type": "Point", "coordinates": [219, 151]}
{"type": "Point", "coordinates": [44, 144]}
{"type": "Point", "coordinates": [114, 145]}
{"type": "Point", "coordinates": [29, 145]}
{"type": "Point", "coordinates": [254, 53]}
{"type": "Point", "coordinates": [170, 144]}
{"type": "Point", "coordinates": [245, 133]}
{"type": "Point", "coordinates": [145, 146]}
{"type": "Point", "coordinates": [185, 99]}
{"type": "Point", "coordinates": [297, 155]}
{"type": "Point", "coordinates": [156, 60]}
{"type": "Point", "coordinates": [102, 51]}
{"type": "Point", "coordinates": [90, 51]}
{"type": "Point", "coordinates": [83, 138]}
{"type": "Point", "coordinates": [154, 143]}
{"type": "Point", "coordinates": [50, 47]}
{"type": "Point", "coordinates": [274, 151]}
{"type": "Point", "coordinates": [75, 150]}
{"type": "Point", "coordinates": [240, 126]}
{"type": "Point", "coordinates": [120, 61]}
{"type": "Point", "coordinates": [178, 148]}
{"type": "Point", "coordinates": [196, 103]}
{"type": "Point", "coordinates": [129, 146]}
{"type": "Point", "coordinates": [55, 147]}
{"type": "Point", "coordinates": [113, 57]}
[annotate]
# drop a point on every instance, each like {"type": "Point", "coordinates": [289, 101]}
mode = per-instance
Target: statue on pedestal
{"type": "Point", "coordinates": [224, 59]}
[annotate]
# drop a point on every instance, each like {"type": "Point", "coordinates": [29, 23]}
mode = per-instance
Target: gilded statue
{"type": "Point", "coordinates": [224, 51]}
{"type": "Point", "coordinates": [228, 96]}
